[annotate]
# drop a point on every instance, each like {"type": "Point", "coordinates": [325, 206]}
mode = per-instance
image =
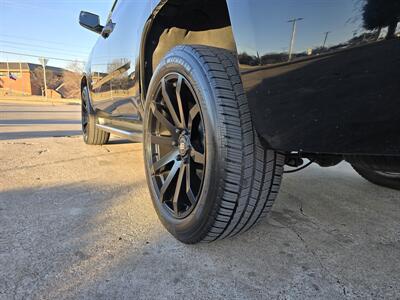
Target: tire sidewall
{"type": "Point", "coordinates": [198, 222]}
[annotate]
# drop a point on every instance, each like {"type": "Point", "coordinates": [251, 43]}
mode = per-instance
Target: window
{"type": "Point", "coordinates": [16, 75]}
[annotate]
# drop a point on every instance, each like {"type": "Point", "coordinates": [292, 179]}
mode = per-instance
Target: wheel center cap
{"type": "Point", "coordinates": [184, 144]}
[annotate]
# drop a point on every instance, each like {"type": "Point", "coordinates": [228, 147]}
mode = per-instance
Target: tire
{"type": "Point", "coordinates": [386, 179]}
{"type": "Point", "coordinates": [239, 178]}
{"type": "Point", "coordinates": [91, 134]}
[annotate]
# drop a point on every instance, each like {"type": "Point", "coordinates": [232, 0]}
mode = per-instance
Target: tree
{"type": "Point", "coordinates": [382, 13]}
{"type": "Point", "coordinates": [72, 80]}
{"type": "Point", "coordinates": [52, 80]}
{"type": "Point", "coordinates": [273, 58]}
{"type": "Point", "coordinates": [246, 59]}
{"type": "Point", "coordinates": [72, 85]}
{"type": "Point", "coordinates": [76, 67]}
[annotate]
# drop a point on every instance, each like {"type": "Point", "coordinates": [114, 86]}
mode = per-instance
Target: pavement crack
{"type": "Point", "coordinates": [108, 150]}
{"type": "Point", "coordinates": [19, 143]}
{"type": "Point", "coordinates": [326, 272]}
{"type": "Point", "coordinates": [42, 151]}
{"type": "Point", "coordinates": [301, 209]}
{"type": "Point", "coordinates": [313, 253]}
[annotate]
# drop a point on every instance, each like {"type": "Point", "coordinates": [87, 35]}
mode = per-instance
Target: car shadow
{"type": "Point", "coordinates": [38, 134]}
{"type": "Point", "coordinates": [119, 141]}
{"type": "Point", "coordinates": [38, 122]}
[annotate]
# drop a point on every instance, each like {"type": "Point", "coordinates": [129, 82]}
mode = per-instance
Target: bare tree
{"type": "Point", "coordinates": [72, 80]}
{"type": "Point", "coordinates": [53, 80]}
{"type": "Point", "coordinates": [76, 67]}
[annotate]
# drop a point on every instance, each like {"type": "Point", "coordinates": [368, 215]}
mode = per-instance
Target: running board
{"type": "Point", "coordinates": [133, 136]}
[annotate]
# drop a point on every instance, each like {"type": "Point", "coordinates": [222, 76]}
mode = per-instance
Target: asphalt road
{"type": "Point", "coordinates": [77, 221]}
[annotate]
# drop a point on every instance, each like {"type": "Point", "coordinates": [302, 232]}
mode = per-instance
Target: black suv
{"type": "Point", "coordinates": [224, 93]}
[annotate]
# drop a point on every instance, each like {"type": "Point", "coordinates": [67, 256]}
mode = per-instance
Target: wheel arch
{"type": "Point", "coordinates": [177, 22]}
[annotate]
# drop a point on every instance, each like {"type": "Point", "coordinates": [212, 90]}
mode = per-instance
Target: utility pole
{"type": "Point", "coordinates": [326, 38]}
{"type": "Point", "coordinates": [294, 22]}
{"type": "Point", "coordinates": [44, 62]}
{"type": "Point", "coordinates": [22, 78]}
{"type": "Point", "coordinates": [8, 75]}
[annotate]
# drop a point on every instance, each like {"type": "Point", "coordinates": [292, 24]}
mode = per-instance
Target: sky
{"type": "Point", "coordinates": [340, 17]}
{"type": "Point", "coordinates": [48, 28]}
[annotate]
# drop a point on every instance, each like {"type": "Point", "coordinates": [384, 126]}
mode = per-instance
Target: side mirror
{"type": "Point", "coordinates": [90, 21]}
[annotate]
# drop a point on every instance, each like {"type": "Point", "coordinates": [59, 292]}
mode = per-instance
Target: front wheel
{"type": "Point", "coordinates": [208, 175]}
{"type": "Point", "coordinates": [91, 134]}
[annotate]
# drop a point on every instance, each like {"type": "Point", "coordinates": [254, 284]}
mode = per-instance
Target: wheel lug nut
{"type": "Point", "coordinates": [177, 130]}
{"type": "Point", "coordinates": [174, 143]}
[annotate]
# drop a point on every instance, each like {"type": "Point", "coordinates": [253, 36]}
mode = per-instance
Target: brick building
{"type": "Point", "coordinates": [18, 79]}
{"type": "Point", "coordinates": [15, 77]}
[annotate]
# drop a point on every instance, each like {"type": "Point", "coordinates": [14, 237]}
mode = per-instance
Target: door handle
{"type": "Point", "coordinates": [108, 29]}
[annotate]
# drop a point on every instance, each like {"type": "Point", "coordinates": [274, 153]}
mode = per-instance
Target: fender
{"type": "Point", "coordinates": [316, 80]}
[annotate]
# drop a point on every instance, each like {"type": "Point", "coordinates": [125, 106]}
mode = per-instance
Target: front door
{"type": "Point", "coordinates": [126, 23]}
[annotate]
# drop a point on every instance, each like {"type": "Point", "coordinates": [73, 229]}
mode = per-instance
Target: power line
{"type": "Point", "coordinates": [42, 47]}
{"type": "Point", "coordinates": [38, 40]}
{"type": "Point", "coordinates": [26, 6]}
{"type": "Point", "coordinates": [39, 56]}
{"type": "Point", "coordinates": [43, 52]}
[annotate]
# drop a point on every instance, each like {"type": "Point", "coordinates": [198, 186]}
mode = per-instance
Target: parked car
{"type": "Point", "coordinates": [224, 93]}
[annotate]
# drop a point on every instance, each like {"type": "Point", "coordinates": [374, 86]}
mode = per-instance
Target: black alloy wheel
{"type": "Point", "coordinates": [175, 145]}
{"type": "Point", "coordinates": [208, 174]}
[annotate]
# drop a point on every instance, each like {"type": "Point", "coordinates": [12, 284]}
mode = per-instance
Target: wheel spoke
{"type": "Point", "coordinates": [175, 145]}
{"type": "Point", "coordinates": [163, 120]}
{"type": "Point", "coordinates": [179, 99]}
{"type": "Point", "coordinates": [168, 102]}
{"type": "Point", "coordinates": [178, 188]}
{"type": "Point", "coordinates": [192, 114]}
{"type": "Point", "coordinates": [167, 181]}
{"type": "Point", "coordinates": [166, 159]}
{"type": "Point", "coordinates": [84, 116]}
{"type": "Point", "coordinates": [197, 156]}
{"type": "Point", "coordinates": [189, 192]}
{"type": "Point", "coordinates": [161, 140]}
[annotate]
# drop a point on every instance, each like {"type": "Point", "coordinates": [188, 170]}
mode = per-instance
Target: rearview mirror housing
{"type": "Point", "coordinates": [90, 21]}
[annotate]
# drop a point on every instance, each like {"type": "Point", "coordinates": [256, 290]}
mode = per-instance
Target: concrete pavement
{"type": "Point", "coordinates": [77, 221]}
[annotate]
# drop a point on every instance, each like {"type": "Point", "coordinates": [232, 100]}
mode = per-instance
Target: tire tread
{"type": "Point", "coordinates": [252, 174]}
{"type": "Point", "coordinates": [94, 135]}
